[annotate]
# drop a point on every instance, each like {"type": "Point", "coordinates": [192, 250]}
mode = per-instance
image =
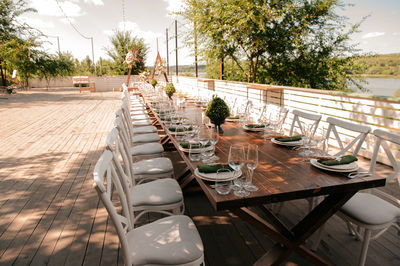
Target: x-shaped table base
{"type": "Point", "coordinates": [292, 240]}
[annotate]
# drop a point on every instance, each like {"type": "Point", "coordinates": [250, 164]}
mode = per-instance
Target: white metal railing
{"type": "Point", "coordinates": [376, 113]}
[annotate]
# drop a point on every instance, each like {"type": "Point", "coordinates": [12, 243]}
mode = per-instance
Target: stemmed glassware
{"type": "Point", "coordinates": [318, 138]}
{"type": "Point", "coordinates": [204, 139]}
{"type": "Point", "coordinates": [236, 160]}
{"type": "Point", "coordinates": [252, 164]}
{"type": "Point", "coordinates": [214, 137]}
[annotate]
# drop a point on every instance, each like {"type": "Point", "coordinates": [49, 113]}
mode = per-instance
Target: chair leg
{"type": "Point", "coordinates": [364, 249]}
{"type": "Point", "coordinates": [318, 237]}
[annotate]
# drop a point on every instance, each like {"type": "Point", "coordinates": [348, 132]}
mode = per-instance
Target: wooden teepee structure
{"type": "Point", "coordinates": [159, 66]}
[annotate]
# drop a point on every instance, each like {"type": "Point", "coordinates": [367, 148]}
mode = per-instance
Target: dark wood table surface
{"type": "Point", "coordinates": [281, 175]}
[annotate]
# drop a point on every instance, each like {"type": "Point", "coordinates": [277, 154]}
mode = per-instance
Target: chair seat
{"type": "Point", "coordinates": [145, 129]}
{"type": "Point", "coordinates": [169, 241]}
{"type": "Point", "coordinates": [139, 117]}
{"type": "Point", "coordinates": [145, 138]}
{"type": "Point", "coordinates": [138, 112]}
{"type": "Point", "coordinates": [138, 108]}
{"type": "Point", "coordinates": [370, 209]}
{"type": "Point", "coordinates": [141, 123]}
{"type": "Point", "coordinates": [147, 149]}
{"type": "Point", "coordinates": [153, 166]}
{"type": "Point", "coordinates": [159, 192]}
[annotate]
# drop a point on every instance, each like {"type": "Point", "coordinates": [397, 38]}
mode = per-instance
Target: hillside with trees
{"type": "Point", "coordinates": [379, 66]}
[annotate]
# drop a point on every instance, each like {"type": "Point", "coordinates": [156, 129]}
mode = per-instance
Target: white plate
{"type": "Point", "coordinates": [178, 133]}
{"type": "Point", "coordinates": [289, 143]}
{"type": "Point", "coordinates": [344, 168]}
{"type": "Point", "coordinates": [253, 129]}
{"type": "Point", "coordinates": [232, 119]}
{"type": "Point", "coordinates": [196, 150]}
{"type": "Point", "coordinates": [213, 176]}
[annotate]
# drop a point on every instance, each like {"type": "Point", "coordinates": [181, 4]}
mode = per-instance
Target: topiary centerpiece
{"type": "Point", "coordinates": [153, 82]}
{"type": "Point", "coordinates": [170, 90]}
{"type": "Point", "coordinates": [217, 110]}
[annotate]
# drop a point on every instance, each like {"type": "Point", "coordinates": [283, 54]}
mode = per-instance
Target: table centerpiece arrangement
{"type": "Point", "coordinates": [217, 110]}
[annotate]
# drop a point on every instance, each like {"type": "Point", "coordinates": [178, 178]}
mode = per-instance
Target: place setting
{"type": "Point", "coordinates": [232, 175]}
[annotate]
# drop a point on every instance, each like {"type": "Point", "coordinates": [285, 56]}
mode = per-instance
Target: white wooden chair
{"type": "Point", "coordinates": [135, 138]}
{"type": "Point", "coordinates": [173, 240]}
{"type": "Point", "coordinates": [375, 210]}
{"type": "Point", "coordinates": [137, 129]}
{"type": "Point", "coordinates": [146, 170]}
{"type": "Point", "coordinates": [299, 116]}
{"type": "Point", "coordinates": [140, 151]}
{"type": "Point", "coordinates": [356, 142]}
{"type": "Point", "coordinates": [162, 195]}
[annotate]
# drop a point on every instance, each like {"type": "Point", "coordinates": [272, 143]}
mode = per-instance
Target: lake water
{"type": "Point", "coordinates": [381, 86]}
{"type": "Point", "coordinates": [375, 86]}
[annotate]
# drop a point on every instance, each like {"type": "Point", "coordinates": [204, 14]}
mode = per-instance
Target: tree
{"type": "Point", "coordinates": [121, 42]}
{"type": "Point", "coordinates": [50, 66]}
{"type": "Point", "coordinates": [287, 42]}
{"type": "Point", "coordinates": [12, 32]}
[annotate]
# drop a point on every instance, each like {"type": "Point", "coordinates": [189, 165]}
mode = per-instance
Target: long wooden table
{"type": "Point", "coordinates": [282, 175]}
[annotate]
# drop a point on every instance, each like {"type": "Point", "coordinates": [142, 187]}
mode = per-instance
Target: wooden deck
{"type": "Point", "coordinates": [50, 214]}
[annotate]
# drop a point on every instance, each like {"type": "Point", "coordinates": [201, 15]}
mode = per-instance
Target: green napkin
{"type": "Point", "coordinates": [255, 126]}
{"type": "Point", "coordinates": [207, 169]}
{"type": "Point", "coordinates": [174, 129]}
{"type": "Point", "coordinates": [343, 160]}
{"type": "Point", "coordinates": [233, 117]}
{"type": "Point", "coordinates": [185, 145]}
{"type": "Point", "coordinates": [289, 139]}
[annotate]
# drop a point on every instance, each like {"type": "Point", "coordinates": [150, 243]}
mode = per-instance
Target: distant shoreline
{"type": "Point", "coordinates": [376, 76]}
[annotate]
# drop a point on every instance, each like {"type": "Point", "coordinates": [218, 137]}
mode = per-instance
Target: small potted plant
{"type": "Point", "coordinates": [153, 82]}
{"type": "Point", "coordinates": [170, 90]}
{"type": "Point", "coordinates": [217, 110]}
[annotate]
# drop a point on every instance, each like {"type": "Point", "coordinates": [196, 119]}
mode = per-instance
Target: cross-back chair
{"type": "Point", "coordinates": [159, 195]}
{"type": "Point", "coordinates": [299, 116]}
{"type": "Point", "coordinates": [173, 240]}
{"type": "Point", "coordinates": [356, 142]}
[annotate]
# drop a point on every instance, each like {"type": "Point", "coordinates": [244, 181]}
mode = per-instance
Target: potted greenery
{"type": "Point", "coordinates": [217, 110]}
{"type": "Point", "coordinates": [170, 90]}
{"type": "Point", "coordinates": [153, 82]}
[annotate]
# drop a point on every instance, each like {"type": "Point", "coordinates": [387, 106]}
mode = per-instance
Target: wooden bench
{"type": "Point", "coordinates": [83, 83]}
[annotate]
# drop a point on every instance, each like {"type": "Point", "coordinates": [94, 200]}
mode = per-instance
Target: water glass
{"type": "Point", "coordinates": [223, 186]}
{"type": "Point", "coordinates": [194, 154]}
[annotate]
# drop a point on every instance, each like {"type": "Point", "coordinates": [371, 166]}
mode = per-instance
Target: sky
{"type": "Point", "coordinates": [149, 19]}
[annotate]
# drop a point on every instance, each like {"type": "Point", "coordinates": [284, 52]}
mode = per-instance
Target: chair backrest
{"type": "Point", "coordinates": [383, 138]}
{"type": "Point", "coordinates": [357, 141]}
{"type": "Point", "coordinates": [105, 176]}
{"type": "Point", "coordinates": [126, 119]}
{"type": "Point", "coordinates": [300, 115]}
{"type": "Point", "coordinates": [115, 145]}
{"type": "Point", "coordinates": [123, 133]}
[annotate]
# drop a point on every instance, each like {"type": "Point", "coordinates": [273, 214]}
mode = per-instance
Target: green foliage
{"type": "Point", "coordinates": [290, 42]}
{"type": "Point", "coordinates": [121, 42]}
{"type": "Point", "coordinates": [153, 82]}
{"type": "Point", "coordinates": [50, 66]}
{"type": "Point", "coordinates": [170, 88]}
{"type": "Point", "coordinates": [217, 110]}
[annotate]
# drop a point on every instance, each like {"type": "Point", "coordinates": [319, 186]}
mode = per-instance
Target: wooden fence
{"type": "Point", "coordinates": [376, 113]}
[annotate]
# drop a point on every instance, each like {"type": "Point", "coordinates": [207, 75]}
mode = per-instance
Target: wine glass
{"type": "Point", "coordinates": [204, 138]}
{"type": "Point", "coordinates": [194, 154]}
{"type": "Point", "coordinates": [236, 161]}
{"type": "Point", "coordinates": [252, 164]}
{"type": "Point", "coordinates": [318, 138]}
{"type": "Point", "coordinates": [214, 137]}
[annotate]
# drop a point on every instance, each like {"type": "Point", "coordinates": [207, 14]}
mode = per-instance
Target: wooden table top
{"type": "Point", "coordinates": [281, 174]}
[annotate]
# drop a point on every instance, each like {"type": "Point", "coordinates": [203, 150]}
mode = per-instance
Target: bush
{"type": "Point", "coordinates": [153, 82]}
{"type": "Point", "coordinates": [217, 110]}
{"type": "Point", "coordinates": [170, 88]}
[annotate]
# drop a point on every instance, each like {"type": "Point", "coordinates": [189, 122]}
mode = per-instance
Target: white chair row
{"type": "Point", "coordinates": [144, 186]}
